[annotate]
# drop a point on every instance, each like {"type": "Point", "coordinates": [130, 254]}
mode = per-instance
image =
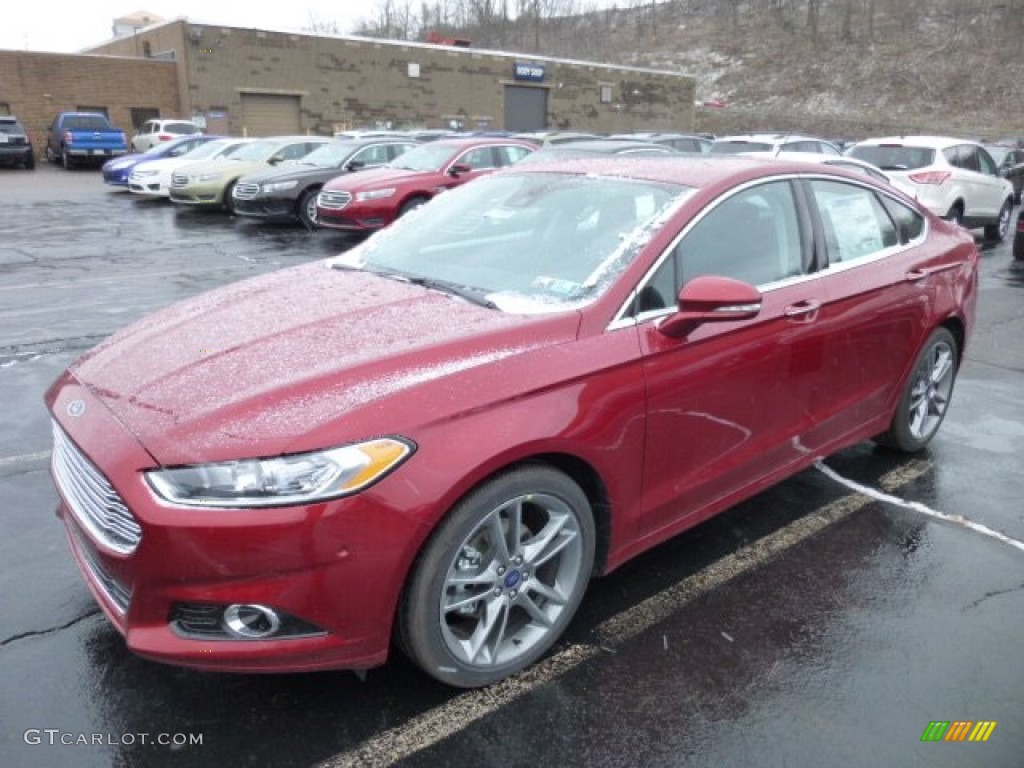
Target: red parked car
{"type": "Point", "coordinates": [379, 196]}
{"type": "Point", "coordinates": [443, 433]}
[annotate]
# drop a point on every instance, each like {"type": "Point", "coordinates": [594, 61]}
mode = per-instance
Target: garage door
{"type": "Point", "coordinates": [526, 109]}
{"type": "Point", "coordinates": [270, 115]}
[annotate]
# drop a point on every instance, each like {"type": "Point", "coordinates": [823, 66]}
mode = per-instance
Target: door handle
{"type": "Point", "coordinates": [920, 273]}
{"type": "Point", "coordinates": [803, 310]}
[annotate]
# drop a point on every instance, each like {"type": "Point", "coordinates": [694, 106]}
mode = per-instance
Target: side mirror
{"type": "Point", "coordinates": [355, 165]}
{"type": "Point", "coordinates": [275, 160]}
{"type": "Point", "coordinates": [711, 299]}
{"type": "Point", "coordinates": [459, 168]}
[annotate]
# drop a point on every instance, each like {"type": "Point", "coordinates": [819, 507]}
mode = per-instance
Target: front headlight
{"type": "Point", "coordinates": [301, 478]}
{"type": "Point", "coordinates": [209, 176]}
{"type": "Point", "coordinates": [280, 186]}
{"type": "Point", "coordinates": [374, 194]}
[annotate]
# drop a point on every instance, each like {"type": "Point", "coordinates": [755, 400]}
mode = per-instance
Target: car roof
{"type": "Point", "coordinates": [770, 138]}
{"type": "Point", "coordinates": [691, 170]}
{"type": "Point", "coordinates": [931, 142]}
{"type": "Point", "coordinates": [608, 146]}
{"type": "Point", "coordinates": [481, 141]}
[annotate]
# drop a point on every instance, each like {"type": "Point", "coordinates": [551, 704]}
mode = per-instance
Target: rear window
{"type": "Point", "coordinates": [735, 147]}
{"type": "Point", "coordinates": [86, 123]}
{"type": "Point", "coordinates": [11, 126]}
{"type": "Point", "coordinates": [894, 157]}
{"type": "Point", "coordinates": [181, 128]}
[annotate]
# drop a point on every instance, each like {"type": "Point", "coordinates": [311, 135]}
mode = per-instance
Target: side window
{"type": "Point", "coordinates": [396, 150]}
{"type": "Point", "coordinates": [985, 162]}
{"type": "Point", "coordinates": [753, 236]}
{"type": "Point", "coordinates": [372, 156]}
{"type": "Point", "coordinates": [909, 222]}
{"type": "Point", "coordinates": [800, 146]}
{"type": "Point", "coordinates": [967, 157]}
{"type": "Point", "coordinates": [477, 159]}
{"type": "Point", "coordinates": [855, 223]}
{"type": "Point", "coordinates": [952, 155]}
{"type": "Point", "coordinates": [509, 154]}
{"type": "Point", "coordinates": [827, 149]}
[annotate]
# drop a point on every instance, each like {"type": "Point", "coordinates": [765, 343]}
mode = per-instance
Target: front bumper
{"type": "Point", "coordinates": [266, 207]}
{"type": "Point", "coordinates": [336, 566]}
{"type": "Point", "coordinates": [15, 153]}
{"type": "Point", "coordinates": [199, 194]}
{"type": "Point", "coordinates": [154, 186]}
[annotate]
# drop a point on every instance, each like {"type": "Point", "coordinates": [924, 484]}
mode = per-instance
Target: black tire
{"type": "Point", "coordinates": [305, 208]}
{"type": "Point", "coordinates": [411, 204]}
{"type": "Point", "coordinates": [30, 161]}
{"type": "Point", "coordinates": [66, 160]}
{"type": "Point", "coordinates": [926, 395]}
{"type": "Point", "coordinates": [470, 586]}
{"type": "Point", "coordinates": [1018, 246]}
{"type": "Point", "coordinates": [228, 203]}
{"type": "Point", "coordinates": [996, 233]}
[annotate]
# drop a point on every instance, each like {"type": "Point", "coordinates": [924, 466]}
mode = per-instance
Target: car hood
{"type": "Point", "coordinates": [173, 163]}
{"type": "Point", "coordinates": [378, 177]}
{"type": "Point", "coordinates": [298, 172]}
{"type": "Point", "coordinates": [225, 166]}
{"type": "Point", "coordinates": [300, 358]}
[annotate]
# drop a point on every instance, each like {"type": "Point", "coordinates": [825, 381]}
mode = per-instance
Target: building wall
{"type": "Point", "coordinates": [36, 86]}
{"type": "Point", "coordinates": [360, 83]}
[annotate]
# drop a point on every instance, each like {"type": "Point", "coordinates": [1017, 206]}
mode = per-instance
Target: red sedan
{"type": "Point", "coordinates": [379, 196]}
{"type": "Point", "coordinates": [443, 433]}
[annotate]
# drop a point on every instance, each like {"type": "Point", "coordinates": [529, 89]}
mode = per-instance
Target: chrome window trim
{"type": "Point", "coordinates": [622, 319]}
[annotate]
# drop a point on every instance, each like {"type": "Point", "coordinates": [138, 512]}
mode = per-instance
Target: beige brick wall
{"type": "Point", "coordinates": [362, 83]}
{"type": "Point", "coordinates": [36, 86]}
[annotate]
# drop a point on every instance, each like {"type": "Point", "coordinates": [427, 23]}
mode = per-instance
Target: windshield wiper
{"type": "Point", "coordinates": [474, 295]}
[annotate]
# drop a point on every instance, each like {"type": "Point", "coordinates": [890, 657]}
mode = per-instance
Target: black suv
{"type": "Point", "coordinates": [1010, 162]}
{"type": "Point", "coordinates": [15, 144]}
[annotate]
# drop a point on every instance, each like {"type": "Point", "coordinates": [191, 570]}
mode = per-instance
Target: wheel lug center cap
{"type": "Point", "coordinates": [512, 578]}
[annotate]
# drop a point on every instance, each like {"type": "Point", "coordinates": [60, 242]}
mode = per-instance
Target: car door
{"type": "Point", "coordinates": [373, 156]}
{"type": "Point", "coordinates": [991, 180]}
{"type": "Point", "coordinates": [874, 282]}
{"type": "Point", "coordinates": [480, 160]}
{"type": "Point", "coordinates": [979, 195]}
{"type": "Point", "coordinates": [733, 402]}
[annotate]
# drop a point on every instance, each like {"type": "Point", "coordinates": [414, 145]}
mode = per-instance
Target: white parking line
{"type": "Point", "coordinates": [24, 458]}
{"type": "Point", "coordinates": [448, 719]}
{"type": "Point", "coordinates": [919, 507]}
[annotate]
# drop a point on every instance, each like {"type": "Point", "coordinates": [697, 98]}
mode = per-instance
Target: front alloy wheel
{"type": "Point", "coordinates": [501, 578]}
{"type": "Point", "coordinates": [996, 233]}
{"type": "Point", "coordinates": [926, 397]}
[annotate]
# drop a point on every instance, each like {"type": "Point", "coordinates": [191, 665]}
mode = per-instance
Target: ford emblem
{"type": "Point", "coordinates": [76, 408]}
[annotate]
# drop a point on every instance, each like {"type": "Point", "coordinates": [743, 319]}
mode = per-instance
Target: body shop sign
{"type": "Point", "coordinates": [533, 73]}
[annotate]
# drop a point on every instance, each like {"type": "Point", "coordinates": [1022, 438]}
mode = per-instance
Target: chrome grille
{"type": "Point", "coordinates": [179, 180]}
{"type": "Point", "coordinates": [115, 591]}
{"type": "Point", "coordinates": [92, 499]}
{"type": "Point", "coordinates": [245, 191]}
{"type": "Point", "coordinates": [333, 200]}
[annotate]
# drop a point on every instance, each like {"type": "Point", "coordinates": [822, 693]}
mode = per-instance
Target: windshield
{"type": "Point", "coordinates": [735, 147]}
{"type": "Point", "coordinates": [330, 155]}
{"type": "Point", "coordinates": [894, 157]}
{"type": "Point", "coordinates": [429, 157]}
{"type": "Point", "coordinates": [257, 151]}
{"type": "Point", "coordinates": [212, 149]}
{"type": "Point", "coordinates": [522, 242]}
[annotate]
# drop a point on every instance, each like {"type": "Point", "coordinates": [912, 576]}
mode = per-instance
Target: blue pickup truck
{"type": "Point", "coordinates": [83, 137]}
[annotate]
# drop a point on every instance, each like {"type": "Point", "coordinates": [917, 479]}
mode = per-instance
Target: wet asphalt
{"type": "Point", "coordinates": [814, 625]}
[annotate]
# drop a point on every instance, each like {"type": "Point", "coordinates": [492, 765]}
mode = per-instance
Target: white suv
{"type": "Point", "coordinates": [772, 142]}
{"type": "Point", "coordinates": [152, 132]}
{"type": "Point", "coordinates": [954, 178]}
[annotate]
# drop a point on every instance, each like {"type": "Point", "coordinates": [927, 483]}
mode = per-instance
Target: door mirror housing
{"type": "Point", "coordinates": [711, 299]}
{"type": "Point", "coordinates": [459, 168]}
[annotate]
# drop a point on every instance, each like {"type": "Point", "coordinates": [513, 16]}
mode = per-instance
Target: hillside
{"type": "Point", "coordinates": [835, 67]}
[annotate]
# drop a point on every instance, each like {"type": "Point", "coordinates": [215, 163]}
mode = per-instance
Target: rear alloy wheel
{"type": "Point", "coordinates": [500, 579]}
{"type": "Point", "coordinates": [926, 398]}
{"type": "Point", "coordinates": [996, 233]}
{"type": "Point", "coordinates": [66, 160]}
{"type": "Point", "coordinates": [306, 208]}
{"type": "Point", "coordinates": [30, 161]}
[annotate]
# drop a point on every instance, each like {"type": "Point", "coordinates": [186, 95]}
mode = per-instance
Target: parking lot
{"type": "Point", "coordinates": [827, 621]}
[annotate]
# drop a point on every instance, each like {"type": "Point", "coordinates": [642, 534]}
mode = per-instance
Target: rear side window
{"type": "Point", "coordinates": [86, 123]}
{"type": "Point", "coordinates": [11, 126]}
{"type": "Point", "coordinates": [511, 154]}
{"type": "Point", "coordinates": [182, 129]}
{"type": "Point", "coordinates": [894, 157]}
{"type": "Point", "coordinates": [856, 224]}
{"type": "Point", "coordinates": [735, 147]}
{"type": "Point", "coordinates": [909, 223]}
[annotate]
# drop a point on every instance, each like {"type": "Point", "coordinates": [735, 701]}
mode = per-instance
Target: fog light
{"type": "Point", "coordinates": [251, 621]}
